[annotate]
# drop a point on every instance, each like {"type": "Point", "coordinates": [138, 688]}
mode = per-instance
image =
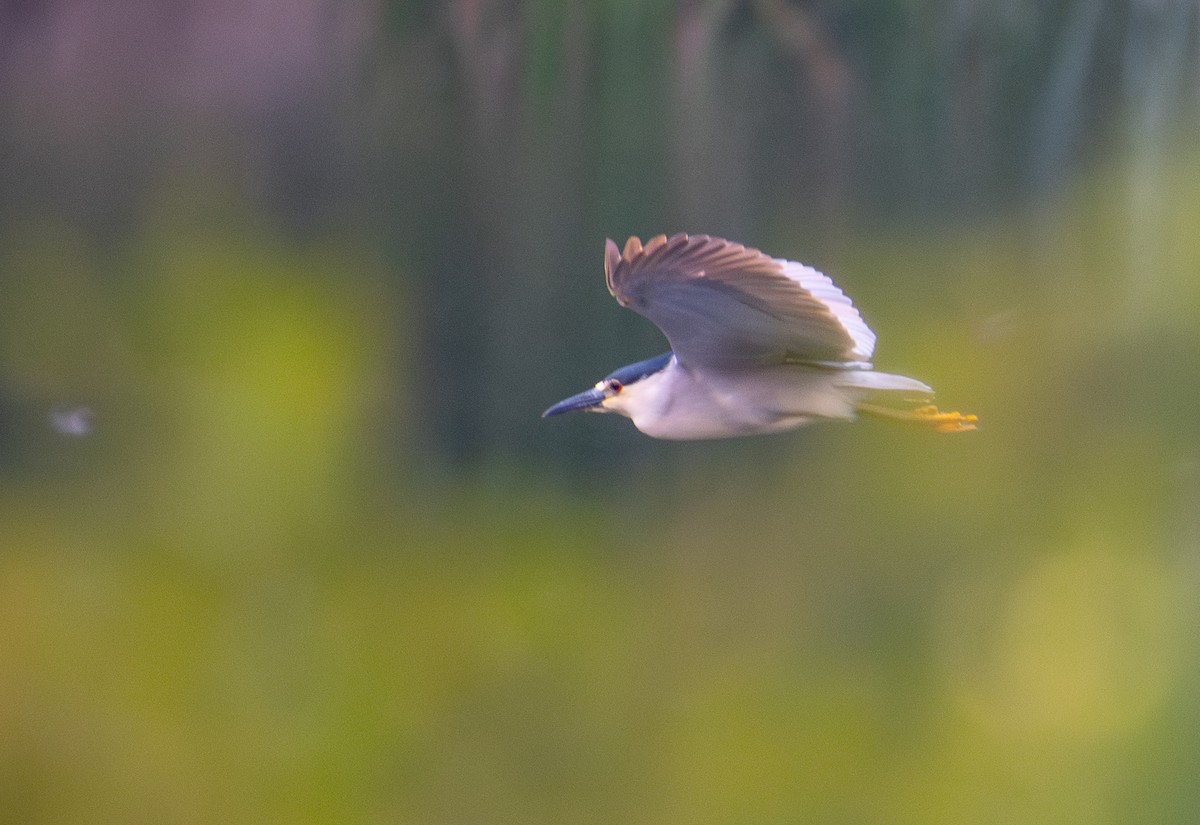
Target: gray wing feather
{"type": "Point", "coordinates": [722, 304]}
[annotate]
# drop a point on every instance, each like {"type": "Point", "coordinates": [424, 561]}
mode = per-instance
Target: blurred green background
{"type": "Point", "coordinates": [285, 286]}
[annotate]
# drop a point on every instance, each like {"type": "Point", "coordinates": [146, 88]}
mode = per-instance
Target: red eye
{"type": "Point", "coordinates": [614, 385]}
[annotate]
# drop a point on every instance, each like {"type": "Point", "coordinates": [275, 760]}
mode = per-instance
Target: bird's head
{"type": "Point", "coordinates": [615, 393]}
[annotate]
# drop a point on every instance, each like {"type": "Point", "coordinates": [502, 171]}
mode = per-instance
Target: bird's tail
{"type": "Point", "coordinates": [891, 396]}
{"type": "Point", "coordinates": [885, 386]}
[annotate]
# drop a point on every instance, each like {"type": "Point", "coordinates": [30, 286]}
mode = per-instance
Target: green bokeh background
{"type": "Point", "coordinates": [315, 271]}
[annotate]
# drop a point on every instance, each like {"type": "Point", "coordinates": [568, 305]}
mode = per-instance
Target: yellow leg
{"type": "Point", "coordinates": [928, 416]}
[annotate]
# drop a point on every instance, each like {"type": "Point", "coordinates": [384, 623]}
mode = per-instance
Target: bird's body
{"type": "Point", "coordinates": [677, 403]}
{"type": "Point", "coordinates": [759, 345]}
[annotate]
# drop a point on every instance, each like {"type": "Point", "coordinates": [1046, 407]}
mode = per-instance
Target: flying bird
{"type": "Point", "coordinates": [758, 345]}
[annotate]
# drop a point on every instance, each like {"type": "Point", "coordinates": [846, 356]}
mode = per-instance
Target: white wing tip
{"type": "Point", "coordinates": [822, 288]}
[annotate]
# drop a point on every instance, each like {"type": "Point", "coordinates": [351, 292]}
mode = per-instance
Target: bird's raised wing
{"type": "Point", "coordinates": [724, 305]}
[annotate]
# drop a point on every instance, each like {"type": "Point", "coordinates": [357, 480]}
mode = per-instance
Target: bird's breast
{"type": "Point", "coordinates": [685, 405]}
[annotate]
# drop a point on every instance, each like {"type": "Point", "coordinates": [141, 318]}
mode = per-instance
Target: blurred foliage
{"type": "Point", "coordinates": [309, 275]}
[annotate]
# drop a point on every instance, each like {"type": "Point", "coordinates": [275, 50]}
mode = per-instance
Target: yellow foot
{"type": "Point", "coordinates": [946, 422]}
{"type": "Point", "coordinates": [929, 416]}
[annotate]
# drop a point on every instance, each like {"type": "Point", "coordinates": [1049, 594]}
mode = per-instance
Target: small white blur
{"type": "Point", "coordinates": [75, 422]}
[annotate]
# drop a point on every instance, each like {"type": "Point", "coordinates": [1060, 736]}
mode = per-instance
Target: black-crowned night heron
{"type": "Point", "coordinates": [758, 345]}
